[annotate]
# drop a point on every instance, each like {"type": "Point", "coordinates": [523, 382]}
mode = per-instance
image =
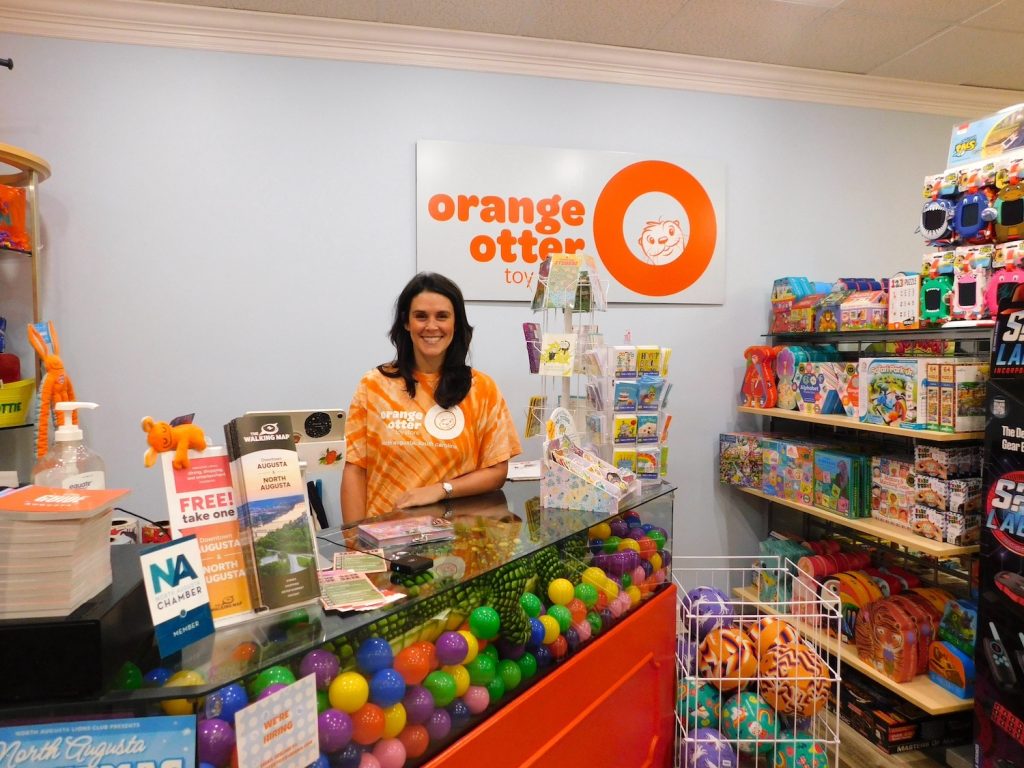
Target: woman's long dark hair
{"type": "Point", "coordinates": [456, 376]}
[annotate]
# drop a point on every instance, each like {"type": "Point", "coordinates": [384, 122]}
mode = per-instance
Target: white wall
{"type": "Point", "coordinates": [228, 232]}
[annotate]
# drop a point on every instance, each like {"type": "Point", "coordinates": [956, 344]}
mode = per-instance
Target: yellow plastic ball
{"type": "Point", "coordinates": [561, 591]}
{"type": "Point", "coordinates": [655, 561]}
{"type": "Point", "coordinates": [551, 629]}
{"type": "Point", "coordinates": [628, 544]}
{"type": "Point", "coordinates": [595, 577]}
{"type": "Point", "coordinates": [180, 679]}
{"type": "Point", "coordinates": [461, 676]}
{"type": "Point", "coordinates": [474, 646]}
{"type": "Point", "coordinates": [635, 595]}
{"type": "Point", "coordinates": [394, 720]}
{"type": "Point", "coordinates": [600, 531]}
{"type": "Point", "coordinates": [610, 588]}
{"type": "Point", "coordinates": [348, 692]}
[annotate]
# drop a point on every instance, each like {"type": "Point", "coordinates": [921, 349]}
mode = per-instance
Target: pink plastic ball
{"type": "Point", "coordinates": [615, 606]}
{"type": "Point", "coordinates": [659, 576]}
{"type": "Point", "coordinates": [639, 575]}
{"type": "Point", "coordinates": [477, 698]}
{"type": "Point", "coordinates": [390, 753]}
{"type": "Point", "coordinates": [583, 630]}
{"type": "Point", "coordinates": [367, 760]}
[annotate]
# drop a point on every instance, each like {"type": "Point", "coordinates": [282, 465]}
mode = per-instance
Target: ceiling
{"type": "Point", "coordinates": [954, 42]}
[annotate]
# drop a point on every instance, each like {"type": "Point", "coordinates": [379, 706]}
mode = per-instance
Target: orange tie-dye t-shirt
{"type": "Point", "coordinates": [406, 443]}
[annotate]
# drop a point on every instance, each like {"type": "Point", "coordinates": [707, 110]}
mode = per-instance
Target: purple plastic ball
{"type": "Point", "coordinates": [387, 687]}
{"type": "Point", "coordinates": [544, 657]}
{"type": "Point", "coordinates": [349, 757]}
{"type": "Point", "coordinates": [648, 568]}
{"type": "Point", "coordinates": [215, 740]}
{"type": "Point", "coordinates": [509, 650]}
{"type": "Point", "coordinates": [224, 703]}
{"type": "Point", "coordinates": [459, 713]}
{"type": "Point", "coordinates": [635, 534]}
{"type": "Point", "coordinates": [704, 609]}
{"type": "Point", "coordinates": [606, 619]}
{"type": "Point", "coordinates": [707, 748]}
{"type": "Point", "coordinates": [335, 730]}
{"type": "Point", "coordinates": [451, 648]}
{"type": "Point", "coordinates": [572, 639]}
{"type": "Point", "coordinates": [600, 561]}
{"type": "Point", "coordinates": [270, 690]}
{"type": "Point", "coordinates": [419, 705]}
{"type": "Point", "coordinates": [322, 664]}
{"type": "Point", "coordinates": [619, 527]}
{"type": "Point", "coordinates": [439, 725]}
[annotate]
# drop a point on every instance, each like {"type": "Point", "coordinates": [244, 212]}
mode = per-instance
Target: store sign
{"type": "Point", "coordinates": [178, 598]}
{"type": "Point", "coordinates": [487, 216]}
{"type": "Point", "coordinates": [280, 730]}
{"type": "Point", "coordinates": [145, 742]}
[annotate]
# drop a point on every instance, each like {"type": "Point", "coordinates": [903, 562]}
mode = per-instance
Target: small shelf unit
{"type": "Point", "coordinates": [849, 422]}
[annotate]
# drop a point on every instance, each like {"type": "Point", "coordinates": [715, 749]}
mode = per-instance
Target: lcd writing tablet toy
{"type": "Point", "coordinates": [1010, 212]}
{"type": "Point", "coordinates": [935, 297]}
{"type": "Point", "coordinates": [973, 215]}
{"type": "Point", "coordinates": [937, 221]}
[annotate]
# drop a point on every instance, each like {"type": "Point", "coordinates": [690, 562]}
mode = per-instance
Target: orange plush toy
{"type": "Point", "coordinates": [177, 435]}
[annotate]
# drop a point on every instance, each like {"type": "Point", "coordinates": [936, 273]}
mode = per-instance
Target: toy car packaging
{"type": "Point", "coordinates": [999, 687]}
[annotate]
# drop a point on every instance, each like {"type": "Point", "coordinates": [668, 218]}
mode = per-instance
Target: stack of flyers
{"type": "Point", "coordinates": [349, 591]}
{"type": "Point", "coordinates": [372, 561]}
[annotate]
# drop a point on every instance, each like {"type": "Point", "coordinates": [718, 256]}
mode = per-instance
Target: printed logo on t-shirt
{"type": "Point", "coordinates": [402, 421]}
{"type": "Point", "coordinates": [444, 423]}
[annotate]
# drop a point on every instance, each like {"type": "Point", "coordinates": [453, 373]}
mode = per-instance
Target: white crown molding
{"type": "Point", "coordinates": [185, 26]}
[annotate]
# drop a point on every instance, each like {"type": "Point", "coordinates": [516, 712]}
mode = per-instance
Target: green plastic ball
{"type": "Point", "coordinates": [322, 701]}
{"type": "Point", "coordinates": [271, 675]}
{"type": "Point", "coordinates": [611, 545]}
{"type": "Point", "coordinates": [587, 593]}
{"type": "Point", "coordinates": [594, 620]}
{"type": "Point", "coordinates": [492, 651]}
{"type": "Point", "coordinates": [484, 622]}
{"type": "Point", "coordinates": [658, 538]}
{"type": "Point", "coordinates": [496, 688]}
{"type": "Point", "coordinates": [627, 581]}
{"type": "Point", "coordinates": [510, 674]}
{"type": "Point", "coordinates": [441, 686]}
{"type": "Point", "coordinates": [562, 615]}
{"type": "Point", "coordinates": [531, 604]}
{"type": "Point", "coordinates": [527, 665]}
{"type": "Point", "coordinates": [129, 677]}
{"type": "Point", "coordinates": [482, 670]}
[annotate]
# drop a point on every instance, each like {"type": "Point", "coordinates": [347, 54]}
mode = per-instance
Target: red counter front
{"type": "Point", "coordinates": [609, 706]}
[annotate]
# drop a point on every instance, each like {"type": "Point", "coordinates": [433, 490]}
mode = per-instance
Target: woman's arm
{"type": "Point", "coordinates": [353, 493]}
{"type": "Point", "coordinates": [469, 484]}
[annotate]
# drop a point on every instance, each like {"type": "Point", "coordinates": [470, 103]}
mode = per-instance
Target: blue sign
{"type": "Point", "coordinates": [176, 587]}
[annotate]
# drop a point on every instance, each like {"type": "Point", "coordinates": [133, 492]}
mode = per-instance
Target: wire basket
{"type": "Point", "coordinates": [757, 654]}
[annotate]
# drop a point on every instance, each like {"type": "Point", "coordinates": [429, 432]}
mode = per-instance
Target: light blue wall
{"type": "Point", "coordinates": [228, 232]}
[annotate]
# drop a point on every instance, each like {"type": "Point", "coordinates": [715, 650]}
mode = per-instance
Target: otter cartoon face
{"type": "Point", "coordinates": [662, 241]}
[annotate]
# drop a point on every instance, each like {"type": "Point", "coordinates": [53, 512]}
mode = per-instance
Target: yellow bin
{"type": "Point", "coordinates": [15, 399]}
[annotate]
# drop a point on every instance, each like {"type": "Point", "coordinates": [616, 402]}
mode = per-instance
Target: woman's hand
{"type": "Point", "coordinates": [419, 497]}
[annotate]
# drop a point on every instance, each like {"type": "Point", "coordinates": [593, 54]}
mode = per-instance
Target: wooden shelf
{"type": "Point", "coordinates": [848, 422]}
{"type": "Point", "coordinates": [875, 528]}
{"type": "Point", "coordinates": [25, 162]}
{"type": "Point", "coordinates": [920, 691]}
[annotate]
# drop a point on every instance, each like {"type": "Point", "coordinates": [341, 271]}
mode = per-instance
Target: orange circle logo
{"type": "Point", "coordinates": [610, 211]}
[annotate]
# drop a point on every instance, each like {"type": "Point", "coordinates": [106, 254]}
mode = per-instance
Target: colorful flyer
{"type": "Point", "coordinates": [129, 743]}
{"type": "Point", "coordinates": [201, 502]}
{"type": "Point", "coordinates": [178, 599]}
{"type": "Point", "coordinates": [361, 562]}
{"type": "Point", "coordinates": [280, 730]}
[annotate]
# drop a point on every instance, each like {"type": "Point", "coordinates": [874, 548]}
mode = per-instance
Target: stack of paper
{"type": "Point", "coordinates": [54, 549]}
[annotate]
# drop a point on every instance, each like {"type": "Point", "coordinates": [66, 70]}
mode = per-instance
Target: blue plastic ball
{"type": "Point", "coordinates": [647, 527]}
{"type": "Point", "coordinates": [544, 657]}
{"type": "Point", "coordinates": [387, 687]}
{"type": "Point", "coordinates": [633, 522]}
{"type": "Point", "coordinates": [607, 619]}
{"type": "Point", "coordinates": [349, 757]}
{"type": "Point", "coordinates": [596, 546]}
{"type": "Point", "coordinates": [224, 703]}
{"type": "Point", "coordinates": [648, 568]}
{"type": "Point", "coordinates": [374, 655]}
{"type": "Point", "coordinates": [536, 633]}
{"type": "Point", "coordinates": [459, 713]}
{"type": "Point", "coordinates": [155, 678]}
{"type": "Point", "coordinates": [321, 762]}
{"type": "Point", "coordinates": [572, 638]}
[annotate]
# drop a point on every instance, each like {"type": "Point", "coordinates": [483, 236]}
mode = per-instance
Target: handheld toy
{"type": "Point", "coordinates": [56, 386]}
{"type": "Point", "coordinates": [937, 221]}
{"type": "Point", "coordinates": [1009, 276]}
{"type": "Point", "coordinates": [973, 216]}
{"type": "Point", "coordinates": [178, 435]}
{"type": "Point", "coordinates": [969, 281]}
{"type": "Point", "coordinates": [935, 297]}
{"type": "Point", "coordinates": [1009, 206]}
{"type": "Point", "coordinates": [759, 380]}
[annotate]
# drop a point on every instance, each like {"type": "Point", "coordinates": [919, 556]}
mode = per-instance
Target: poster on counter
{"type": "Point", "coordinates": [490, 215]}
{"type": "Point", "coordinates": [281, 730]}
{"type": "Point", "coordinates": [145, 742]}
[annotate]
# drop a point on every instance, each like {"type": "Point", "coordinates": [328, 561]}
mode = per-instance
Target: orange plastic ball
{"type": "Point", "coordinates": [578, 610]}
{"type": "Point", "coordinates": [559, 647]}
{"type": "Point", "coordinates": [430, 652]}
{"type": "Point", "coordinates": [368, 724]}
{"type": "Point", "coordinates": [416, 740]}
{"type": "Point", "coordinates": [245, 652]}
{"type": "Point", "coordinates": [412, 664]}
{"type": "Point", "coordinates": [602, 601]}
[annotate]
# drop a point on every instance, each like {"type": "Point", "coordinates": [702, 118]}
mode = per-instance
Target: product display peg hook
{"type": "Point", "coordinates": [9, 63]}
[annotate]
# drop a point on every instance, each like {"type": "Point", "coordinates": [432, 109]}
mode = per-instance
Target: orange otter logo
{"type": "Point", "coordinates": [662, 241]}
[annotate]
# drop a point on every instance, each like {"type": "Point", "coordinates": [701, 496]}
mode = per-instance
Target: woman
{"type": "Point", "coordinates": [425, 427]}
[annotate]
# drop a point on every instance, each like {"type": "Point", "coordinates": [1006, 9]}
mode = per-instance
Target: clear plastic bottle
{"type": "Point", "coordinates": [70, 463]}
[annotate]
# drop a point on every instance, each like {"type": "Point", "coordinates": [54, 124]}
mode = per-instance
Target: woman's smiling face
{"type": "Point", "coordinates": [431, 326]}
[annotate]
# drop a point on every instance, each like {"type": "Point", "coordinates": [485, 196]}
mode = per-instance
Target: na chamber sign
{"type": "Point", "coordinates": [489, 215]}
{"type": "Point", "coordinates": [145, 742]}
{"type": "Point", "coordinates": [179, 601]}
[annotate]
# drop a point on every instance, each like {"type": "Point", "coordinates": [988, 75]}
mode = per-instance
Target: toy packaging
{"type": "Point", "coordinates": [970, 385]}
{"type": "Point", "coordinates": [796, 462]}
{"type": "Point", "coordinates": [828, 309]}
{"type": "Point", "coordinates": [864, 311]}
{"type": "Point", "coordinates": [892, 489]}
{"type": "Point", "coordinates": [772, 451]}
{"type": "Point", "coordinates": [739, 459]}
{"type": "Point", "coordinates": [838, 482]}
{"type": "Point", "coordinates": [947, 462]}
{"type": "Point", "coordinates": [758, 389]}
{"type": "Point", "coordinates": [904, 301]}
{"type": "Point", "coordinates": [987, 137]}
{"type": "Point", "coordinates": [952, 669]}
{"type": "Point", "coordinates": [798, 317]}
{"type": "Point", "coordinates": [1007, 255]}
{"type": "Point", "coordinates": [827, 388]}
{"type": "Point", "coordinates": [960, 495]}
{"type": "Point", "coordinates": [892, 391]}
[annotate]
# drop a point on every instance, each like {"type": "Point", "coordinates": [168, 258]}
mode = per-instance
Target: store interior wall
{"type": "Point", "coordinates": [228, 232]}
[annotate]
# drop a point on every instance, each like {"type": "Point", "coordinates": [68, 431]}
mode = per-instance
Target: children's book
{"type": "Point", "coordinates": [562, 280]}
{"type": "Point", "coordinates": [409, 530]}
{"type": "Point", "coordinates": [532, 333]}
{"type": "Point", "coordinates": [558, 353]}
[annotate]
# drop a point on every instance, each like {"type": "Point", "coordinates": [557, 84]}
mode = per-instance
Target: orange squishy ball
{"type": "Point", "coordinates": [648, 547]}
{"type": "Point", "coordinates": [368, 724]}
{"type": "Point", "coordinates": [794, 679]}
{"type": "Point", "coordinates": [727, 658]}
{"type": "Point", "coordinates": [412, 664]}
{"type": "Point", "coordinates": [771, 630]}
{"type": "Point", "coordinates": [245, 652]}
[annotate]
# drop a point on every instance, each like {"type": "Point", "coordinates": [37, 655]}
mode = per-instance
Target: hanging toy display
{"type": "Point", "coordinates": [56, 386]}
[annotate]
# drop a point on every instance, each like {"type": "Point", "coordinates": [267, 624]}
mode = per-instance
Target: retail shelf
{"type": "Point", "coordinates": [875, 528]}
{"type": "Point", "coordinates": [847, 422]}
{"type": "Point", "coordinates": [956, 333]}
{"type": "Point", "coordinates": [920, 691]}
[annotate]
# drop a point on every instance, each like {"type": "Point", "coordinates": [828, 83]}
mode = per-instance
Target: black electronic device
{"type": "Point", "coordinates": [408, 563]}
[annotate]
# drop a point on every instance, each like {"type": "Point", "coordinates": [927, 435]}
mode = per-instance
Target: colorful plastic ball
{"type": "Point", "coordinates": [596, 625]}
{"type": "Point", "coordinates": [368, 760]}
{"type": "Point", "coordinates": [748, 718]}
{"type": "Point", "coordinates": [794, 679]}
{"type": "Point", "coordinates": [348, 692]}
{"type": "Point", "coordinates": [335, 730]}
{"type": "Point", "coordinates": [638, 575]}
{"type": "Point", "coordinates": [461, 677]}
{"type": "Point", "coordinates": [658, 537]}
{"type": "Point", "coordinates": [323, 665]}
{"type": "Point", "coordinates": [615, 606]}
{"type": "Point", "coordinates": [477, 699]}
{"type": "Point", "coordinates": [543, 657]}
{"type": "Point", "coordinates": [559, 648]}
{"type": "Point", "coordinates": [510, 674]}
{"type": "Point", "coordinates": [387, 687]}
{"type": "Point", "coordinates": [600, 531]}
{"type": "Point", "coordinates": [706, 748]}
{"type": "Point", "coordinates": [496, 688]}
{"type": "Point", "coordinates": [727, 658]}
{"type": "Point", "coordinates": [129, 677]}
{"type": "Point", "coordinates": [484, 622]}
{"type": "Point", "coordinates": [472, 644]}
{"type": "Point", "coordinates": [610, 589]}
{"type": "Point", "coordinates": [156, 677]}
{"type": "Point", "coordinates": [415, 739]}
{"type": "Point", "coordinates": [656, 561]}
{"type": "Point", "coordinates": [429, 652]}
{"type": "Point", "coordinates": [481, 670]}
{"type": "Point", "coordinates": [551, 629]}
{"type": "Point", "coordinates": [459, 713]}
{"type": "Point", "coordinates": [181, 679]}
{"type": "Point", "coordinates": [322, 702]}
{"type": "Point", "coordinates": [439, 724]}
{"type": "Point", "coordinates": [270, 690]}
{"type": "Point", "coordinates": [607, 619]}
{"type": "Point", "coordinates": [560, 591]}
{"type": "Point", "coordinates": [619, 527]}
{"type": "Point", "coordinates": [628, 543]}
{"type": "Point", "coordinates": [419, 704]}
{"type": "Point", "coordinates": [395, 720]}
{"type": "Point", "coordinates": [586, 594]}
{"type": "Point", "coordinates": [635, 596]}
{"type": "Point", "coordinates": [632, 519]}
{"type": "Point", "coordinates": [442, 686]}
{"type": "Point", "coordinates": [226, 701]}
{"type": "Point", "coordinates": [595, 577]}
{"type": "Point", "coordinates": [527, 665]}
{"type": "Point", "coordinates": [772, 630]}
{"type": "Point", "coordinates": [320, 762]}
{"type": "Point", "coordinates": [698, 704]}
{"type": "Point", "coordinates": [215, 740]}
{"type": "Point", "coordinates": [611, 544]}
{"type": "Point", "coordinates": [451, 648]}
{"type": "Point", "coordinates": [390, 753]}
{"type": "Point", "coordinates": [246, 652]}
{"type": "Point", "coordinates": [648, 548]}
{"type": "Point", "coordinates": [537, 632]}
{"type": "Point", "coordinates": [271, 675]}
{"type": "Point", "coordinates": [626, 580]}
{"type": "Point", "coordinates": [367, 724]}
{"type": "Point", "coordinates": [596, 546]}
{"type": "Point", "coordinates": [583, 630]}
{"type": "Point", "coordinates": [492, 651]}
{"type": "Point", "coordinates": [572, 639]}
{"type": "Point", "coordinates": [562, 615]}
{"type": "Point", "coordinates": [704, 609]}
{"type": "Point", "coordinates": [348, 757]}
{"type": "Point", "coordinates": [412, 664]}
{"type": "Point", "coordinates": [531, 604]}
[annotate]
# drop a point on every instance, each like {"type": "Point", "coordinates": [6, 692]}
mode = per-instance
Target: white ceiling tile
{"type": "Point", "coordinates": [609, 22]}
{"type": "Point", "coordinates": [1006, 16]}
{"type": "Point", "coordinates": [995, 66]}
{"type": "Point", "coordinates": [927, 10]}
{"type": "Point", "coordinates": [747, 30]}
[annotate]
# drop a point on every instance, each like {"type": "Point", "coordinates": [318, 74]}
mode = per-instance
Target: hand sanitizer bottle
{"type": "Point", "coordinates": [70, 463]}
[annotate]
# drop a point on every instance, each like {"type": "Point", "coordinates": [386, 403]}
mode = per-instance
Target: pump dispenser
{"type": "Point", "coordinates": [70, 463]}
